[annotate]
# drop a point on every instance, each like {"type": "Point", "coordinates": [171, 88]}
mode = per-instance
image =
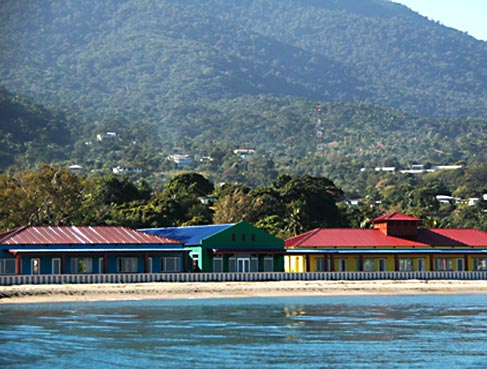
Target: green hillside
{"type": "Point", "coordinates": [30, 134]}
{"type": "Point", "coordinates": [137, 59]}
{"type": "Point", "coordinates": [212, 76]}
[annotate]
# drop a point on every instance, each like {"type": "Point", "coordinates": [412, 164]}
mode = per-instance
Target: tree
{"type": "Point", "coordinates": [310, 202]}
{"type": "Point", "coordinates": [48, 195]}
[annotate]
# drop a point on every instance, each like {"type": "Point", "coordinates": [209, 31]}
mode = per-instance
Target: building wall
{"type": "Point", "coordinates": [248, 241]}
{"type": "Point", "coordinates": [90, 263]}
{"type": "Point", "coordinates": [391, 262]}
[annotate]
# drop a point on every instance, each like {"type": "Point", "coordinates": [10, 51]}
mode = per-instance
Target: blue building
{"type": "Point", "coordinates": [77, 250]}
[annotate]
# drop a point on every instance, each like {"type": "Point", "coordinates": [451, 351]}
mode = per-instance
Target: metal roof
{"type": "Point", "coordinates": [375, 238]}
{"type": "Point", "coordinates": [395, 216]}
{"type": "Point", "coordinates": [189, 236]}
{"type": "Point", "coordinates": [72, 235]}
{"type": "Point", "coordinates": [93, 250]}
{"type": "Point", "coordinates": [299, 251]}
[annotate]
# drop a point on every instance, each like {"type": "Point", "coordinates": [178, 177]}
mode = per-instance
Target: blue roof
{"type": "Point", "coordinates": [189, 236]}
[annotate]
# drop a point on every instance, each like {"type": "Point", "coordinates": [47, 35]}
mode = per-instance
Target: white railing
{"type": "Point", "coordinates": [9, 280]}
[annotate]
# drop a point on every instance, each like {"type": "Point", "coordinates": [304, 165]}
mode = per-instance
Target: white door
{"type": "Point", "coordinates": [243, 265]}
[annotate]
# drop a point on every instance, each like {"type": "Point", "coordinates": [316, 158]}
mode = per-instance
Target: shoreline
{"type": "Point", "coordinates": [26, 294]}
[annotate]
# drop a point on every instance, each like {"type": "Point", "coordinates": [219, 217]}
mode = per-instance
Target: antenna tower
{"type": "Point", "coordinates": [319, 131]}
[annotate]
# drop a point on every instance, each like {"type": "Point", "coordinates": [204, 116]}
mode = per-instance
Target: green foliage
{"type": "Point", "coordinates": [46, 196]}
{"type": "Point", "coordinates": [149, 61]}
{"type": "Point", "coordinates": [30, 134]}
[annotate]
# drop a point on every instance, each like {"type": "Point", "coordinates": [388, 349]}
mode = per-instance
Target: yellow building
{"type": "Point", "coordinates": [395, 243]}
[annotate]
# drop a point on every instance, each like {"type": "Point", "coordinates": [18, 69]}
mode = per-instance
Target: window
{"type": "Point", "coordinates": [382, 265]}
{"type": "Point", "coordinates": [243, 265]}
{"type": "Point", "coordinates": [268, 264]}
{"type": "Point", "coordinates": [368, 265]}
{"type": "Point", "coordinates": [342, 265]}
{"type": "Point", "coordinates": [196, 262]}
{"type": "Point", "coordinates": [56, 266]}
{"type": "Point", "coordinates": [234, 237]}
{"type": "Point", "coordinates": [218, 265]}
{"type": "Point", "coordinates": [232, 264]}
{"type": "Point", "coordinates": [127, 265]}
{"type": "Point", "coordinates": [149, 265]}
{"type": "Point", "coordinates": [320, 264]}
{"type": "Point", "coordinates": [81, 265]}
{"type": "Point", "coordinates": [253, 237]}
{"type": "Point", "coordinates": [405, 265]}
{"type": "Point", "coordinates": [101, 265]}
{"type": "Point", "coordinates": [7, 266]}
{"type": "Point", "coordinates": [170, 264]}
{"type": "Point", "coordinates": [35, 266]}
{"type": "Point", "coordinates": [243, 237]}
{"type": "Point", "coordinates": [460, 265]}
{"type": "Point", "coordinates": [480, 264]}
{"type": "Point", "coordinates": [421, 265]}
{"type": "Point", "coordinates": [443, 264]}
{"type": "Point", "coordinates": [254, 264]}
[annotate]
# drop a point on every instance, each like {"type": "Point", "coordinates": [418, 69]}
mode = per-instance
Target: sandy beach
{"type": "Point", "coordinates": [180, 290]}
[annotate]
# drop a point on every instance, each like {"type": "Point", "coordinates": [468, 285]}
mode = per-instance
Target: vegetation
{"type": "Point", "coordinates": [144, 60]}
{"type": "Point", "coordinates": [50, 195]}
{"type": "Point", "coordinates": [205, 78]}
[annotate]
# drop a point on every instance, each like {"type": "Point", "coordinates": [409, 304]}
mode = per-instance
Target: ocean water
{"type": "Point", "coordinates": [422, 331]}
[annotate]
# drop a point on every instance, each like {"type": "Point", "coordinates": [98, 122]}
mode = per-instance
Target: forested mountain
{"type": "Point", "coordinates": [137, 59]}
{"type": "Point", "coordinates": [31, 134]}
{"type": "Point", "coordinates": [212, 76]}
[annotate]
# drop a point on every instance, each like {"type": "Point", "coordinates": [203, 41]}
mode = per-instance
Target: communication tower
{"type": "Point", "coordinates": [319, 131]}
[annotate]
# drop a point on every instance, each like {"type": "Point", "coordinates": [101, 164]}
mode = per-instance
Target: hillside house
{"type": "Point", "coordinates": [106, 136]}
{"type": "Point", "coordinates": [126, 170]}
{"type": "Point", "coordinates": [244, 153]}
{"type": "Point", "coordinates": [182, 161]}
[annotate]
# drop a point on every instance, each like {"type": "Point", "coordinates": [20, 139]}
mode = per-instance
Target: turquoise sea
{"type": "Point", "coordinates": [423, 331]}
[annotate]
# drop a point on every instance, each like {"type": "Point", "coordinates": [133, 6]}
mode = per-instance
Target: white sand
{"type": "Point", "coordinates": [180, 290]}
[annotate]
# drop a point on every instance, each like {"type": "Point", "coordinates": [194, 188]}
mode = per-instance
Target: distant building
{"type": "Point", "coordinates": [244, 153]}
{"type": "Point", "coordinates": [75, 168]}
{"type": "Point", "coordinates": [446, 167]}
{"type": "Point", "coordinates": [444, 199]}
{"type": "Point", "coordinates": [385, 169]}
{"type": "Point", "coordinates": [182, 161]}
{"type": "Point", "coordinates": [126, 169]}
{"type": "Point", "coordinates": [205, 159]}
{"type": "Point", "coordinates": [106, 136]}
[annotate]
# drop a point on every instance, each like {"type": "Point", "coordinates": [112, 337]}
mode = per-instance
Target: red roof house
{"type": "Point", "coordinates": [76, 250]}
{"type": "Point", "coordinates": [395, 243]}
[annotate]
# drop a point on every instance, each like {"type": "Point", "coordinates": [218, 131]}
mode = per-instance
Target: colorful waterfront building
{"type": "Point", "coordinates": [395, 243]}
{"type": "Point", "coordinates": [90, 250]}
{"type": "Point", "coordinates": [237, 247]}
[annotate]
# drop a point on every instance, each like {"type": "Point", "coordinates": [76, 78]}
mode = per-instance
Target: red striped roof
{"type": "Point", "coordinates": [395, 216]}
{"type": "Point", "coordinates": [375, 238]}
{"type": "Point", "coordinates": [73, 235]}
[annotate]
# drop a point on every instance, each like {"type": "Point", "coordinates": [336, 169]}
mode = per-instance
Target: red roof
{"type": "Point", "coordinates": [375, 238]}
{"type": "Point", "coordinates": [80, 235]}
{"type": "Point", "coordinates": [396, 216]}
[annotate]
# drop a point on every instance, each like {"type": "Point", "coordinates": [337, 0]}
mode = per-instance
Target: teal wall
{"type": "Point", "coordinates": [243, 238]}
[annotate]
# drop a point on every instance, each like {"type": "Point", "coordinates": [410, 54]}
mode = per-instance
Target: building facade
{"type": "Point", "coordinates": [88, 250]}
{"type": "Point", "coordinates": [395, 243]}
{"type": "Point", "coordinates": [221, 248]}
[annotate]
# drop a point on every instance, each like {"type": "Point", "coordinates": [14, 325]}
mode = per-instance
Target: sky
{"type": "Point", "coordinates": [465, 15]}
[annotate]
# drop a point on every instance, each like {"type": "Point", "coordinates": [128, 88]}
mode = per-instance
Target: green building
{"type": "Point", "coordinates": [222, 248]}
